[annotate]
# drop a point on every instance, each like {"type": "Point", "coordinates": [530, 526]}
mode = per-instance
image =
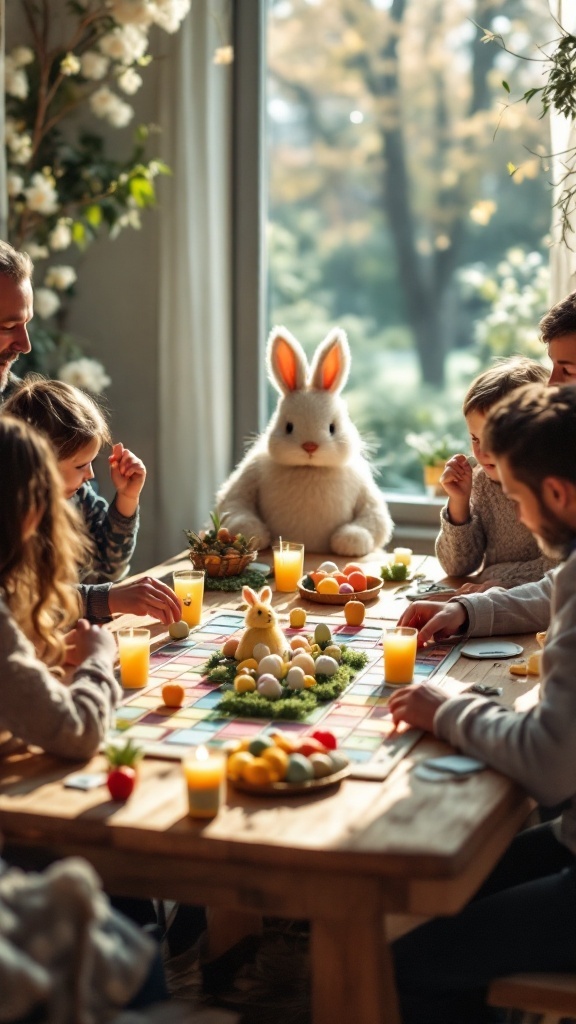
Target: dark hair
{"type": "Point", "coordinates": [505, 376]}
{"type": "Point", "coordinates": [37, 573]}
{"type": "Point", "coordinates": [16, 265]}
{"type": "Point", "coordinates": [560, 320]}
{"type": "Point", "coordinates": [535, 429]}
{"type": "Point", "coordinates": [66, 415]}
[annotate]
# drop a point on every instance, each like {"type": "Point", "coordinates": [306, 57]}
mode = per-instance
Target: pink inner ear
{"type": "Point", "coordinates": [331, 367]}
{"type": "Point", "coordinates": [286, 364]}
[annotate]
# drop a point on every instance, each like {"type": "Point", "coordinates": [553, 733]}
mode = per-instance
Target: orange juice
{"type": "Point", "coordinates": [399, 645]}
{"type": "Point", "coordinates": [288, 566]}
{"type": "Point", "coordinates": [205, 775]}
{"type": "Point", "coordinates": [189, 587]}
{"type": "Point", "coordinates": [134, 653]}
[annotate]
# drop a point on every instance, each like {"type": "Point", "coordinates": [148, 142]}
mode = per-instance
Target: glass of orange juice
{"type": "Point", "coordinates": [288, 565]}
{"type": "Point", "coordinates": [399, 643]}
{"type": "Point", "coordinates": [189, 587]}
{"type": "Point", "coordinates": [134, 654]}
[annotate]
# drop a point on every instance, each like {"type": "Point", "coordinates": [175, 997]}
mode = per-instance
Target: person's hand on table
{"type": "Point", "coordinates": [416, 705]}
{"type": "Point", "coordinates": [145, 596]}
{"type": "Point", "coordinates": [434, 620]}
{"type": "Point", "coordinates": [476, 588]}
{"type": "Point", "coordinates": [87, 639]}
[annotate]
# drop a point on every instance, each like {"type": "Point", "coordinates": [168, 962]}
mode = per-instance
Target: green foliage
{"type": "Point", "coordinates": [396, 572]}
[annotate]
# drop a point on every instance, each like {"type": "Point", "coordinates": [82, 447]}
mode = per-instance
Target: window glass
{"type": "Point", "coordinates": [408, 202]}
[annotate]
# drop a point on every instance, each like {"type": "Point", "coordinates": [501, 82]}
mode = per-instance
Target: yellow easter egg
{"type": "Point", "coordinates": [278, 761]}
{"type": "Point", "coordinates": [328, 585]}
{"type": "Point", "coordinates": [309, 682]}
{"type": "Point", "coordinates": [247, 663]}
{"type": "Point", "coordinates": [283, 741]}
{"type": "Point", "coordinates": [230, 647]}
{"type": "Point", "coordinates": [297, 618]}
{"type": "Point", "coordinates": [237, 763]}
{"type": "Point", "coordinates": [258, 772]}
{"type": "Point", "coordinates": [244, 684]}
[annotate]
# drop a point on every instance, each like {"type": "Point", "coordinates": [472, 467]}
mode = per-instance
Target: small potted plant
{"type": "Point", "coordinates": [218, 552]}
{"type": "Point", "coordinates": [434, 452]}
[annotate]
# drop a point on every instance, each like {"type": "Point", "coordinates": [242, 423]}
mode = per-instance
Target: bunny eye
{"type": "Point", "coordinates": [332, 428]}
{"type": "Point", "coordinates": [289, 428]}
{"type": "Point", "coordinates": [259, 612]}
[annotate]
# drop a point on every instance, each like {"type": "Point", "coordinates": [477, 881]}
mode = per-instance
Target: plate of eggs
{"type": "Point", "coordinates": [273, 764]}
{"type": "Point", "coordinates": [330, 585]}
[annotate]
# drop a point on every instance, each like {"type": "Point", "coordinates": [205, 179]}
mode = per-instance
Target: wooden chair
{"type": "Point", "coordinates": [553, 995]}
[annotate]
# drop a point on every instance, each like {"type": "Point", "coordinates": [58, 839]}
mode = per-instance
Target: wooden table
{"type": "Point", "coordinates": [342, 858]}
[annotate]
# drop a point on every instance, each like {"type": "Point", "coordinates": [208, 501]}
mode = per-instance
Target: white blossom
{"type": "Point", "coordinates": [61, 236]}
{"type": "Point", "coordinates": [126, 44]}
{"type": "Point", "coordinates": [223, 55]}
{"type": "Point", "coordinates": [41, 195]}
{"type": "Point", "coordinates": [70, 65]}
{"type": "Point", "coordinates": [102, 101]}
{"type": "Point", "coordinates": [14, 184]}
{"type": "Point", "coordinates": [131, 12]}
{"type": "Point", "coordinates": [37, 252]}
{"type": "Point", "coordinates": [21, 149]}
{"type": "Point", "coordinates": [46, 302]}
{"type": "Point", "coordinates": [15, 80]}
{"type": "Point", "coordinates": [21, 56]}
{"type": "Point", "coordinates": [60, 278]}
{"type": "Point", "coordinates": [94, 65]}
{"type": "Point", "coordinates": [129, 81]}
{"type": "Point", "coordinates": [169, 14]}
{"type": "Point", "coordinates": [85, 373]}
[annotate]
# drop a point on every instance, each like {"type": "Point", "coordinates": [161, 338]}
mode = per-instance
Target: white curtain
{"type": "Point", "coordinates": [563, 145]}
{"type": "Point", "coordinates": [194, 349]}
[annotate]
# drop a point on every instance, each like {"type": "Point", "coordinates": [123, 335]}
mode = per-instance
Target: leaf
{"type": "Point", "coordinates": [93, 215]}
{"type": "Point", "coordinates": [505, 86]}
{"type": "Point", "coordinates": [142, 191]}
{"type": "Point", "coordinates": [511, 168]}
{"type": "Point", "coordinates": [79, 234]}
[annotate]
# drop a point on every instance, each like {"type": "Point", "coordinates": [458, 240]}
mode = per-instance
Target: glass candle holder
{"type": "Point", "coordinates": [399, 645]}
{"type": "Point", "coordinates": [205, 775]}
{"type": "Point", "coordinates": [288, 566]}
{"type": "Point", "coordinates": [134, 654]}
{"type": "Point", "coordinates": [189, 587]}
{"type": "Point", "coordinates": [403, 555]}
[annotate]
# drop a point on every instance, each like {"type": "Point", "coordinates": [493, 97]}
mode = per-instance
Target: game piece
{"type": "Point", "coordinates": [261, 625]}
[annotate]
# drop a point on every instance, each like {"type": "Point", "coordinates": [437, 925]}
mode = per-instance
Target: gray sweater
{"type": "Point", "coordinates": [492, 540]}
{"type": "Point", "coordinates": [69, 721]}
{"type": "Point", "coordinates": [536, 747]}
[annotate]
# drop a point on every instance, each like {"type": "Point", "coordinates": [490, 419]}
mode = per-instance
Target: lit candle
{"type": "Point", "coordinates": [403, 555]}
{"type": "Point", "coordinates": [205, 774]}
{"type": "Point", "coordinates": [189, 587]}
{"type": "Point", "coordinates": [288, 565]}
{"type": "Point", "coordinates": [399, 643]}
{"type": "Point", "coordinates": [134, 654]}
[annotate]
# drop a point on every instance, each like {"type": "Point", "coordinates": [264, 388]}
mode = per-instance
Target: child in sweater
{"type": "Point", "coordinates": [478, 525]}
{"type": "Point", "coordinates": [40, 547]}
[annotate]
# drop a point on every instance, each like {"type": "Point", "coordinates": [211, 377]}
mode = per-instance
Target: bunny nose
{"type": "Point", "coordinates": [309, 446]}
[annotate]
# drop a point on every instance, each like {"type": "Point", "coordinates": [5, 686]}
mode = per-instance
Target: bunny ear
{"type": "Point", "coordinates": [331, 363]}
{"type": "Point", "coordinates": [249, 595]}
{"type": "Point", "coordinates": [287, 363]}
{"type": "Point", "coordinates": [265, 595]}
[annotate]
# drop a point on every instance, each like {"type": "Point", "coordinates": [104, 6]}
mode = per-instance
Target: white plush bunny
{"type": "Point", "coordinates": [305, 478]}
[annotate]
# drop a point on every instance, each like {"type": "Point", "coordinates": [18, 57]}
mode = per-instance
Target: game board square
{"type": "Point", "coordinates": [364, 741]}
{"type": "Point", "coordinates": [359, 756]}
{"type": "Point", "coordinates": [130, 711]}
{"type": "Point", "coordinates": [380, 711]}
{"type": "Point", "coordinates": [146, 732]}
{"type": "Point", "coordinates": [363, 701]}
{"type": "Point", "coordinates": [381, 725]}
{"type": "Point", "coordinates": [239, 729]}
{"type": "Point", "coordinates": [183, 737]}
{"type": "Point", "coordinates": [191, 713]}
{"type": "Point", "coordinates": [210, 700]}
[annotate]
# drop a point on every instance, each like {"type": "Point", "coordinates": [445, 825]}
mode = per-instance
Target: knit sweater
{"type": "Point", "coordinates": [535, 747]}
{"type": "Point", "coordinates": [69, 721]}
{"type": "Point", "coordinates": [492, 540]}
{"type": "Point", "coordinates": [112, 534]}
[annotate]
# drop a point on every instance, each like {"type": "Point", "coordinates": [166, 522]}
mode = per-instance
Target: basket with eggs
{"type": "Point", "coordinates": [218, 552]}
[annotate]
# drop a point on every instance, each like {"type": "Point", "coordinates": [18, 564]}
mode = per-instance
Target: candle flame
{"type": "Point", "coordinates": [201, 753]}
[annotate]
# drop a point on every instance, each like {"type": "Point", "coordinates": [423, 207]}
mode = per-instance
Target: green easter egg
{"type": "Point", "coordinates": [258, 744]}
{"type": "Point", "coordinates": [322, 634]}
{"type": "Point", "coordinates": [299, 769]}
{"type": "Point", "coordinates": [179, 630]}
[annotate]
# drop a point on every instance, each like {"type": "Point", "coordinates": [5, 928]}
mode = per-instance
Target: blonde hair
{"type": "Point", "coordinates": [500, 380]}
{"type": "Point", "coordinates": [38, 573]}
{"type": "Point", "coordinates": [66, 415]}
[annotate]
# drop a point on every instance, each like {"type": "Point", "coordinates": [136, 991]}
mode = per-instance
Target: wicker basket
{"type": "Point", "coordinates": [231, 564]}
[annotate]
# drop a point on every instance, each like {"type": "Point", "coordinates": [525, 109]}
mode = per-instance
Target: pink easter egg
{"type": "Point", "coordinates": [345, 588]}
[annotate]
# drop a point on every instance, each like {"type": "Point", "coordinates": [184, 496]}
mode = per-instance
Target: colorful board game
{"type": "Point", "coordinates": [359, 717]}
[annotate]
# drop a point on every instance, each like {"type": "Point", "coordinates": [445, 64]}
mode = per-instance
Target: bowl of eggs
{"type": "Point", "coordinates": [330, 585]}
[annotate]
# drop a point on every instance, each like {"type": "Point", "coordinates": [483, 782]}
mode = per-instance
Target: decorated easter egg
{"type": "Point", "coordinates": [322, 633]}
{"type": "Point", "coordinates": [305, 662]}
{"type": "Point", "coordinates": [333, 651]}
{"type": "Point", "coordinates": [328, 567]}
{"type": "Point", "coordinates": [328, 585]}
{"type": "Point", "coordinates": [297, 618]}
{"type": "Point", "coordinates": [230, 647]}
{"type": "Point", "coordinates": [321, 765]}
{"type": "Point", "coordinates": [179, 630]}
{"type": "Point", "coordinates": [325, 665]}
{"type": "Point", "coordinates": [295, 678]}
{"type": "Point", "coordinates": [260, 651]}
{"type": "Point", "coordinates": [299, 769]}
{"type": "Point", "coordinates": [272, 664]}
{"type": "Point", "coordinates": [258, 744]}
{"type": "Point", "coordinates": [269, 686]}
{"type": "Point", "coordinates": [346, 588]}
{"type": "Point", "coordinates": [244, 684]}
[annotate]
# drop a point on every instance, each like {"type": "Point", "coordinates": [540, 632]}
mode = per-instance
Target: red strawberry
{"type": "Point", "coordinates": [121, 782]}
{"type": "Point", "coordinates": [326, 737]}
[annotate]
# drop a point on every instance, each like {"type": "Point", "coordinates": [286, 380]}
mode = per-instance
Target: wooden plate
{"type": "Point", "coordinates": [375, 585]}
{"type": "Point", "coordinates": [291, 788]}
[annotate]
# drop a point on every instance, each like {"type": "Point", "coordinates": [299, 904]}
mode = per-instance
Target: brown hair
{"type": "Point", "coordinates": [559, 320]}
{"type": "Point", "coordinates": [37, 574]}
{"type": "Point", "coordinates": [499, 380]}
{"type": "Point", "coordinates": [535, 429]}
{"type": "Point", "coordinates": [16, 265]}
{"type": "Point", "coordinates": [66, 415]}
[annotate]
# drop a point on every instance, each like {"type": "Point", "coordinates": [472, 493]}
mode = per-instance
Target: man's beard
{"type": "Point", "coordinates": [554, 538]}
{"type": "Point", "coordinates": [5, 369]}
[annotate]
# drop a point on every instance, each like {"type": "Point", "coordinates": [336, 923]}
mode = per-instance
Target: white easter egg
{"type": "Point", "coordinates": [328, 567]}
{"type": "Point", "coordinates": [326, 666]}
{"type": "Point", "coordinates": [260, 651]}
{"type": "Point", "coordinates": [305, 662]}
{"type": "Point", "coordinates": [295, 678]}
{"type": "Point", "coordinates": [272, 664]}
{"type": "Point", "coordinates": [269, 687]}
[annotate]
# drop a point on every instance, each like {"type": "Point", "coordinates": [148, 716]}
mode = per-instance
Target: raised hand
{"type": "Point", "coordinates": [457, 482]}
{"type": "Point", "coordinates": [128, 474]}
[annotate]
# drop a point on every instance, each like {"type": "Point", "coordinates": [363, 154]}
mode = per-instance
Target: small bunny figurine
{"type": "Point", "coordinates": [305, 478]}
{"type": "Point", "coordinates": [261, 625]}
